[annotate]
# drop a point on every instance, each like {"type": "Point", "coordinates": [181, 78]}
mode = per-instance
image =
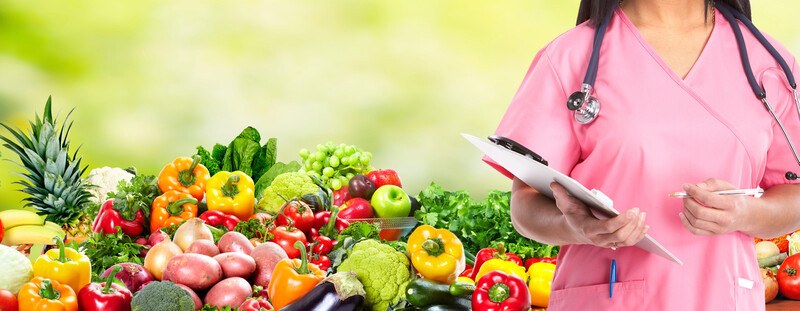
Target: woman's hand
{"type": "Point", "coordinates": [624, 230]}
{"type": "Point", "coordinates": [706, 213]}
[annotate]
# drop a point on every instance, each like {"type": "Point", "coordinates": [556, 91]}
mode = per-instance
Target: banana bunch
{"type": "Point", "coordinates": [26, 227]}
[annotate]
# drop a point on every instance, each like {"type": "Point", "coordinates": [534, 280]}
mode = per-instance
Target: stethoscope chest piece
{"type": "Point", "coordinates": [585, 106]}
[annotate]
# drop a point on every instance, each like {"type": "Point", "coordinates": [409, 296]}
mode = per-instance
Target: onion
{"type": "Point", "coordinates": [133, 275]}
{"type": "Point", "coordinates": [770, 284]}
{"type": "Point", "coordinates": [766, 249]}
{"type": "Point", "coordinates": [192, 230]}
{"type": "Point", "coordinates": [158, 256]}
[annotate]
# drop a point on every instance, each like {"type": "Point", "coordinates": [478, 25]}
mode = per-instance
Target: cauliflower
{"type": "Point", "coordinates": [286, 186]}
{"type": "Point", "coordinates": [105, 180]}
{"type": "Point", "coordinates": [383, 271]}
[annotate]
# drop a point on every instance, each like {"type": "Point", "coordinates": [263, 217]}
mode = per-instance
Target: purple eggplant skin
{"type": "Point", "coordinates": [324, 298]}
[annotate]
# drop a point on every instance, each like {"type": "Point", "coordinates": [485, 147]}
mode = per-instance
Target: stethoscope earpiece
{"type": "Point", "coordinates": [791, 176]}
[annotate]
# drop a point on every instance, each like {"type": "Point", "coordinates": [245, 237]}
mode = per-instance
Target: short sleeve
{"type": "Point", "coordinates": [779, 155]}
{"type": "Point", "coordinates": [539, 119]}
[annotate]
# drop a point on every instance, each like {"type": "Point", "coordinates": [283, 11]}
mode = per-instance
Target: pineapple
{"type": "Point", "coordinates": [52, 178]}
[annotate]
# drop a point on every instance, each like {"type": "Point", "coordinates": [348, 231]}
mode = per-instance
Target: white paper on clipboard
{"type": "Point", "coordinates": [539, 177]}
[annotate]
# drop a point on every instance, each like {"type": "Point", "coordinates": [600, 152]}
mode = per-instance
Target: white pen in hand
{"type": "Point", "coordinates": [744, 192]}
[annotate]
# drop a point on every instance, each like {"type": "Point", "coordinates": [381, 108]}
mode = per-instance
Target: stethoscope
{"type": "Point", "coordinates": [587, 107]}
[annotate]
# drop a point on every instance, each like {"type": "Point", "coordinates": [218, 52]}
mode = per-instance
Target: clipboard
{"type": "Point", "coordinates": [539, 177]}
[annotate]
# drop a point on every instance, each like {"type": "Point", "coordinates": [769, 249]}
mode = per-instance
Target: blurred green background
{"type": "Point", "coordinates": [150, 80]}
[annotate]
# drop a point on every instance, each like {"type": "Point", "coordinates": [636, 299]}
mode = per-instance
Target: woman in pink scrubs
{"type": "Point", "coordinates": [677, 115]}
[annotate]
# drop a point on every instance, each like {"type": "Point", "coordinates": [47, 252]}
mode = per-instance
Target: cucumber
{"type": "Point", "coordinates": [423, 293]}
{"type": "Point", "coordinates": [458, 289]}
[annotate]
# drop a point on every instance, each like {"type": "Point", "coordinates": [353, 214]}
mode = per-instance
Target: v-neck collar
{"type": "Point", "coordinates": [657, 57]}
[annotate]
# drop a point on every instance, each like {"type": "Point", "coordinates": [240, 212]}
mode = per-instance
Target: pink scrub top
{"type": "Point", "coordinates": [654, 133]}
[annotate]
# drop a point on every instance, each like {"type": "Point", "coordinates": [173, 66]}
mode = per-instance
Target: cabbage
{"type": "Point", "coordinates": [794, 243]}
{"type": "Point", "coordinates": [17, 269]}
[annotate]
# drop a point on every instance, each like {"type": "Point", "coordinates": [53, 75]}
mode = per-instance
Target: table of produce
{"type": "Point", "coordinates": [229, 227]}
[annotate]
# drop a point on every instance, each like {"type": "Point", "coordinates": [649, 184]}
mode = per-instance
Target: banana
{"type": "Point", "coordinates": [30, 234]}
{"type": "Point", "coordinates": [55, 226]}
{"type": "Point", "coordinates": [17, 217]}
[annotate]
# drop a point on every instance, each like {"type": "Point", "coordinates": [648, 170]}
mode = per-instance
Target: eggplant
{"type": "Point", "coordinates": [339, 292]}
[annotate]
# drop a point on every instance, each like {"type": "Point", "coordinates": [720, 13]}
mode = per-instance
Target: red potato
{"type": "Point", "coordinates": [235, 242]}
{"type": "Point", "coordinates": [196, 271]}
{"type": "Point", "coordinates": [266, 255]}
{"type": "Point", "coordinates": [229, 292]}
{"type": "Point", "coordinates": [203, 247]}
{"type": "Point", "coordinates": [236, 264]}
{"type": "Point", "coordinates": [198, 304]}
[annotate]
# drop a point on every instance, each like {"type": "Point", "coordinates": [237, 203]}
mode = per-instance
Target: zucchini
{"type": "Point", "coordinates": [423, 293]}
{"type": "Point", "coordinates": [458, 289]}
{"type": "Point", "coordinates": [772, 260]}
{"type": "Point", "coordinates": [446, 308]}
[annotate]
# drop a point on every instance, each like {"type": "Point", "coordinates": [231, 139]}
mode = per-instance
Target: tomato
{"type": "Point", "coordinates": [301, 215]}
{"type": "Point", "coordinates": [286, 236]}
{"type": "Point", "coordinates": [2, 230]}
{"type": "Point", "coordinates": [789, 277]}
{"type": "Point", "coordinates": [266, 219]}
{"type": "Point", "coordinates": [7, 300]}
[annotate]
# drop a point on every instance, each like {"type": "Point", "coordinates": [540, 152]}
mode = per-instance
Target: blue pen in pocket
{"type": "Point", "coordinates": [612, 278]}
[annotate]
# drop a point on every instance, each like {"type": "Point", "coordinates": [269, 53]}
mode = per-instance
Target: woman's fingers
{"type": "Point", "coordinates": [699, 229]}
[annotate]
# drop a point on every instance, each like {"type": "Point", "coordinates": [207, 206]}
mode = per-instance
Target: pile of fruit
{"type": "Point", "coordinates": [232, 228]}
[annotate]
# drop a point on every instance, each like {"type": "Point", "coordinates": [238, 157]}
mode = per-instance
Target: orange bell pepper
{"type": "Point", "coordinates": [171, 208]}
{"type": "Point", "coordinates": [293, 278]}
{"type": "Point", "coordinates": [185, 174]}
{"type": "Point", "coordinates": [41, 294]}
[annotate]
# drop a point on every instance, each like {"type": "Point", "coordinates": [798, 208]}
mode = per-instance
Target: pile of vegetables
{"type": "Point", "coordinates": [234, 229]}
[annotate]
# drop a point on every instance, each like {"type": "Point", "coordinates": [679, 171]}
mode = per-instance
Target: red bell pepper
{"type": "Point", "coordinates": [384, 177]}
{"type": "Point", "coordinates": [255, 305]}
{"type": "Point", "coordinates": [326, 226]}
{"type": "Point", "coordinates": [497, 291]}
{"type": "Point", "coordinates": [342, 195]}
{"type": "Point", "coordinates": [531, 261]}
{"type": "Point", "coordinates": [356, 208]}
{"type": "Point", "coordinates": [467, 273]}
{"type": "Point", "coordinates": [132, 222]}
{"type": "Point", "coordinates": [299, 214]}
{"type": "Point", "coordinates": [105, 296]}
{"type": "Point", "coordinates": [493, 253]}
{"type": "Point", "coordinates": [217, 218]}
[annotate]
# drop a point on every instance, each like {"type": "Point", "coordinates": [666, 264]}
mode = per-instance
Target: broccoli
{"type": "Point", "coordinates": [383, 271]}
{"type": "Point", "coordinates": [159, 296]}
{"type": "Point", "coordinates": [286, 186]}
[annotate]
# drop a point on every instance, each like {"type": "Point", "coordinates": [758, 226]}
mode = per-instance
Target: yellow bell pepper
{"type": "Point", "coordinates": [232, 193]}
{"type": "Point", "coordinates": [65, 265]}
{"type": "Point", "coordinates": [541, 278]}
{"type": "Point", "coordinates": [437, 254]}
{"type": "Point", "coordinates": [501, 265]}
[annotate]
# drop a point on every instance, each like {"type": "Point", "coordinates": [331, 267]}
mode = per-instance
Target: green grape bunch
{"type": "Point", "coordinates": [334, 164]}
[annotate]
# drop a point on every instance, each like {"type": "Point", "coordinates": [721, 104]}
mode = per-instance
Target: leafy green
{"type": "Point", "coordinates": [360, 231]}
{"type": "Point", "coordinates": [208, 307]}
{"type": "Point", "coordinates": [268, 176]}
{"type": "Point", "coordinates": [106, 250]}
{"type": "Point", "coordinates": [244, 153]}
{"type": "Point", "coordinates": [208, 160]}
{"type": "Point", "coordinates": [138, 194]}
{"type": "Point", "coordinates": [478, 224]}
{"type": "Point", "coordinates": [254, 228]}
